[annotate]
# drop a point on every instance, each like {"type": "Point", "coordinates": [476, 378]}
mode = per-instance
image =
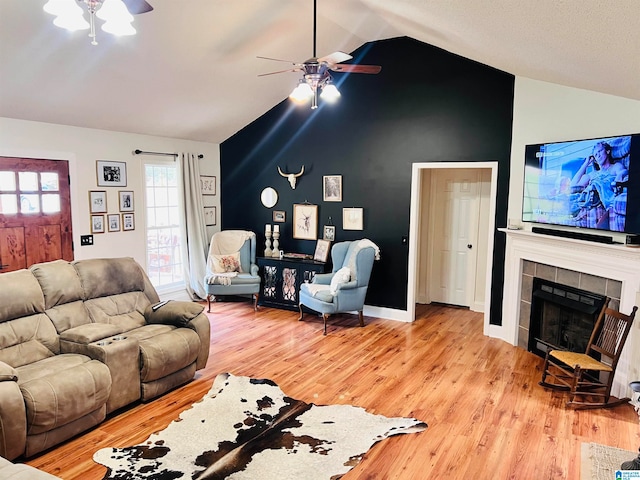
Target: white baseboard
{"type": "Point", "coordinates": [387, 313]}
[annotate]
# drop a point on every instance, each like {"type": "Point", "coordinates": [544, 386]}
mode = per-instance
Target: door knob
{"type": "Point", "coordinates": [469, 246]}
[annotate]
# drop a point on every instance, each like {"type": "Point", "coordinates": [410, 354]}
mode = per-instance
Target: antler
{"type": "Point", "coordinates": [301, 172]}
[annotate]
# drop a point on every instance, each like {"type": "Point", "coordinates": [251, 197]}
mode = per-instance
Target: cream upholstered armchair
{"type": "Point", "coordinates": [345, 288]}
{"type": "Point", "coordinates": [231, 265]}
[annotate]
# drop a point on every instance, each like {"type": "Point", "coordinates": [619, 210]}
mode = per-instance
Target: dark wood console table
{"type": "Point", "coordinates": [281, 280]}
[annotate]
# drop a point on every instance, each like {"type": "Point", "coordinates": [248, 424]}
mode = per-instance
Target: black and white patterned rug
{"type": "Point", "coordinates": [249, 429]}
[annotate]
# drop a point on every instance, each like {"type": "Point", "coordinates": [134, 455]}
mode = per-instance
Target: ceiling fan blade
{"type": "Point", "coordinates": [356, 68]}
{"type": "Point", "coordinates": [136, 7]}
{"type": "Point", "coordinates": [335, 57]}
{"type": "Point", "coordinates": [280, 71]}
{"type": "Point", "coordinates": [278, 60]}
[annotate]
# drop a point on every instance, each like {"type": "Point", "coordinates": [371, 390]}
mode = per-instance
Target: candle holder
{"type": "Point", "coordinates": [267, 243]}
{"type": "Point", "coordinates": [276, 245]}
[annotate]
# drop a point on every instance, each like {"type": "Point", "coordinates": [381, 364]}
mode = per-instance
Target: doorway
{"type": "Point", "coordinates": [469, 187]}
{"type": "Point", "coordinates": [35, 212]}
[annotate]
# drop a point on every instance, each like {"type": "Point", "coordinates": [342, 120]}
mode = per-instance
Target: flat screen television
{"type": "Point", "coordinates": [592, 183]}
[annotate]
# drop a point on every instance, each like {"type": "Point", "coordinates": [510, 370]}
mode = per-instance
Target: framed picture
{"type": "Point", "coordinates": [128, 222]}
{"type": "Point", "coordinates": [305, 221]}
{"type": "Point", "coordinates": [97, 223]}
{"type": "Point", "coordinates": [329, 233]}
{"type": "Point", "coordinates": [207, 185]}
{"type": "Point", "coordinates": [352, 218]}
{"type": "Point", "coordinates": [111, 174]}
{"type": "Point", "coordinates": [210, 216]}
{"type": "Point", "coordinates": [279, 216]}
{"type": "Point", "coordinates": [332, 188]}
{"type": "Point", "coordinates": [113, 222]}
{"type": "Point", "coordinates": [126, 200]}
{"type": "Point", "coordinates": [322, 250]}
{"type": "Point", "coordinates": [97, 201]}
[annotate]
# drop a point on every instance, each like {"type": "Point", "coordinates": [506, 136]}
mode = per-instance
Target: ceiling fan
{"type": "Point", "coordinates": [117, 15]}
{"type": "Point", "coordinates": [316, 72]}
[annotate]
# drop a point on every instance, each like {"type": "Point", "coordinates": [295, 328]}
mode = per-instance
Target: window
{"type": "Point", "coordinates": [26, 195]}
{"type": "Point", "coordinates": [164, 238]}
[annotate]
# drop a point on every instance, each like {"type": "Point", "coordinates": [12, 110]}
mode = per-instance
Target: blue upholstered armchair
{"type": "Point", "coordinates": [344, 289]}
{"type": "Point", "coordinates": [231, 265]}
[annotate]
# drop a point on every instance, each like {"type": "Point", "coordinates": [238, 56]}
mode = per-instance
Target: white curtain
{"type": "Point", "coordinates": [194, 231]}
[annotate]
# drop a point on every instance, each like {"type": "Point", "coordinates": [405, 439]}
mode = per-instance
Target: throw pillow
{"type": "Point", "coordinates": [173, 313]}
{"type": "Point", "coordinates": [226, 263]}
{"type": "Point", "coordinates": [341, 277]}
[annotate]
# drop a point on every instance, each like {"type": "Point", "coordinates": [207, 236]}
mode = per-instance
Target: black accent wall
{"type": "Point", "coordinates": [426, 105]}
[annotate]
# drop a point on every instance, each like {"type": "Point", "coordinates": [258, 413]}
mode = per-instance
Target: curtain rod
{"type": "Point", "coordinates": [140, 152]}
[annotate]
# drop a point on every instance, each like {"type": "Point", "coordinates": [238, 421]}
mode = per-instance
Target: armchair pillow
{"type": "Point", "coordinates": [173, 313]}
{"type": "Point", "coordinates": [225, 263]}
{"type": "Point", "coordinates": [341, 277]}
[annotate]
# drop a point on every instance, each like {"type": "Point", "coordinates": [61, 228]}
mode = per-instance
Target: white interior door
{"type": "Point", "coordinates": [454, 212]}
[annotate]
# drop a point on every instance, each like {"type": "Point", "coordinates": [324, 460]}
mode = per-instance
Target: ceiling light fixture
{"type": "Point", "coordinates": [70, 16]}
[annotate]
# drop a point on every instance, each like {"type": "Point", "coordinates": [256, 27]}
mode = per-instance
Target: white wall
{"type": "Point", "coordinates": [546, 112]}
{"type": "Point", "coordinates": [82, 147]}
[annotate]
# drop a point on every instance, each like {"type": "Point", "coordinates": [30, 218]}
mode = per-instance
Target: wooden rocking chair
{"type": "Point", "coordinates": [588, 376]}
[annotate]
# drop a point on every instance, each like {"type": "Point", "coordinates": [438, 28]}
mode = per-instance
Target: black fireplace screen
{"type": "Point", "coordinates": [562, 317]}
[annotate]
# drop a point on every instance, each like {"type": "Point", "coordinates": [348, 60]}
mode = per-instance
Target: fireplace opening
{"type": "Point", "coordinates": [562, 317]}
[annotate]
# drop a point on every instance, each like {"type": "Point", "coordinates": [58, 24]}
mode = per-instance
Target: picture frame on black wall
{"type": "Point", "coordinates": [279, 216]}
{"type": "Point", "coordinates": [329, 233]}
{"type": "Point", "coordinates": [332, 188]}
{"type": "Point", "coordinates": [352, 218]}
{"type": "Point", "coordinates": [305, 221]}
{"type": "Point", "coordinates": [322, 250]}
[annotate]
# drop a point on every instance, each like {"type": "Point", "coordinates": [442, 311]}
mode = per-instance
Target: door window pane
{"type": "Point", "coordinates": [8, 181]}
{"type": "Point", "coordinates": [28, 181]}
{"type": "Point", "coordinates": [29, 203]}
{"type": "Point", "coordinates": [49, 182]}
{"type": "Point", "coordinates": [8, 204]}
{"type": "Point", "coordinates": [50, 203]}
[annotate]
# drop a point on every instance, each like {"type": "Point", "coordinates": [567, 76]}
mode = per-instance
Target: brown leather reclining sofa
{"type": "Point", "coordinates": [79, 340]}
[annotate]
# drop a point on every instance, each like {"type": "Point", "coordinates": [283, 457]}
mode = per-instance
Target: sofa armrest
{"type": "Point", "coordinates": [254, 269]}
{"type": "Point", "coordinates": [202, 327]}
{"type": "Point", "coordinates": [323, 278]}
{"type": "Point", "coordinates": [90, 332]}
{"type": "Point", "coordinates": [119, 353]}
{"type": "Point", "coordinates": [13, 416]}
{"type": "Point", "coordinates": [8, 373]}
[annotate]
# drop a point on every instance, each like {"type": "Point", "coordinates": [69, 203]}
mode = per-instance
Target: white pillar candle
{"type": "Point", "coordinates": [276, 228]}
{"type": "Point", "coordinates": [268, 227]}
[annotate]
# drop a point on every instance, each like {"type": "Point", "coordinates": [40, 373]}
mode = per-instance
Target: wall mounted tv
{"type": "Point", "coordinates": [592, 183]}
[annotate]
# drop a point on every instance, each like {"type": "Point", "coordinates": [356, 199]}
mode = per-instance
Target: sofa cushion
{"type": "Point", "coordinates": [125, 310]}
{"type": "Point", "coordinates": [68, 315]}
{"type": "Point", "coordinates": [27, 339]}
{"type": "Point", "coordinates": [101, 277]}
{"type": "Point", "coordinates": [61, 389]}
{"type": "Point", "coordinates": [173, 313]}
{"type": "Point", "coordinates": [91, 332]}
{"type": "Point", "coordinates": [59, 281]}
{"type": "Point", "coordinates": [20, 295]}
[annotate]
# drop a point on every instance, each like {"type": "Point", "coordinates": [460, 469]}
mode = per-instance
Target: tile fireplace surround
{"type": "Point", "coordinates": [568, 261]}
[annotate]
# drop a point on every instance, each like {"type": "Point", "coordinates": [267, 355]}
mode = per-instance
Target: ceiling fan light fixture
{"type": "Point", "coordinates": [301, 93]}
{"type": "Point", "coordinates": [68, 14]}
{"type": "Point", "coordinates": [330, 93]}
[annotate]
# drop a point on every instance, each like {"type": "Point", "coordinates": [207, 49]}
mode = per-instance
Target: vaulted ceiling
{"type": "Point", "coordinates": [191, 71]}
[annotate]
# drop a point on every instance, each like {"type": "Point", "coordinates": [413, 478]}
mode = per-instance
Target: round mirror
{"type": "Point", "coordinates": [269, 197]}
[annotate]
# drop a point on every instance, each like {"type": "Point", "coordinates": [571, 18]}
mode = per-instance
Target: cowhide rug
{"type": "Point", "coordinates": [249, 429]}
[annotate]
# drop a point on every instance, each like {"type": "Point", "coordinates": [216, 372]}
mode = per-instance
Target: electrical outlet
{"type": "Point", "coordinates": [86, 240]}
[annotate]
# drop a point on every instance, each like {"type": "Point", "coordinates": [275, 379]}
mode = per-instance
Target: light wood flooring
{"type": "Point", "coordinates": [488, 417]}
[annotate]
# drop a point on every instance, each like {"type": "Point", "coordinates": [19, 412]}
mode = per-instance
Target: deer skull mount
{"type": "Point", "coordinates": [292, 177]}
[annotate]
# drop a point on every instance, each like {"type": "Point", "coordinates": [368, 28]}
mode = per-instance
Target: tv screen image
{"type": "Point", "coordinates": [584, 183]}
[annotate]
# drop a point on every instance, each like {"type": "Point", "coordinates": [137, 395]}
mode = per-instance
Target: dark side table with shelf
{"type": "Point", "coordinates": [280, 280]}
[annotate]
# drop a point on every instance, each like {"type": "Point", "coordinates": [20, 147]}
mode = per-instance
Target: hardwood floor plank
{"type": "Point", "coordinates": [488, 417]}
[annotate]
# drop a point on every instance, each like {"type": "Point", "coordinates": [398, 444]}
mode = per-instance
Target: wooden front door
{"type": "Point", "coordinates": [35, 212]}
